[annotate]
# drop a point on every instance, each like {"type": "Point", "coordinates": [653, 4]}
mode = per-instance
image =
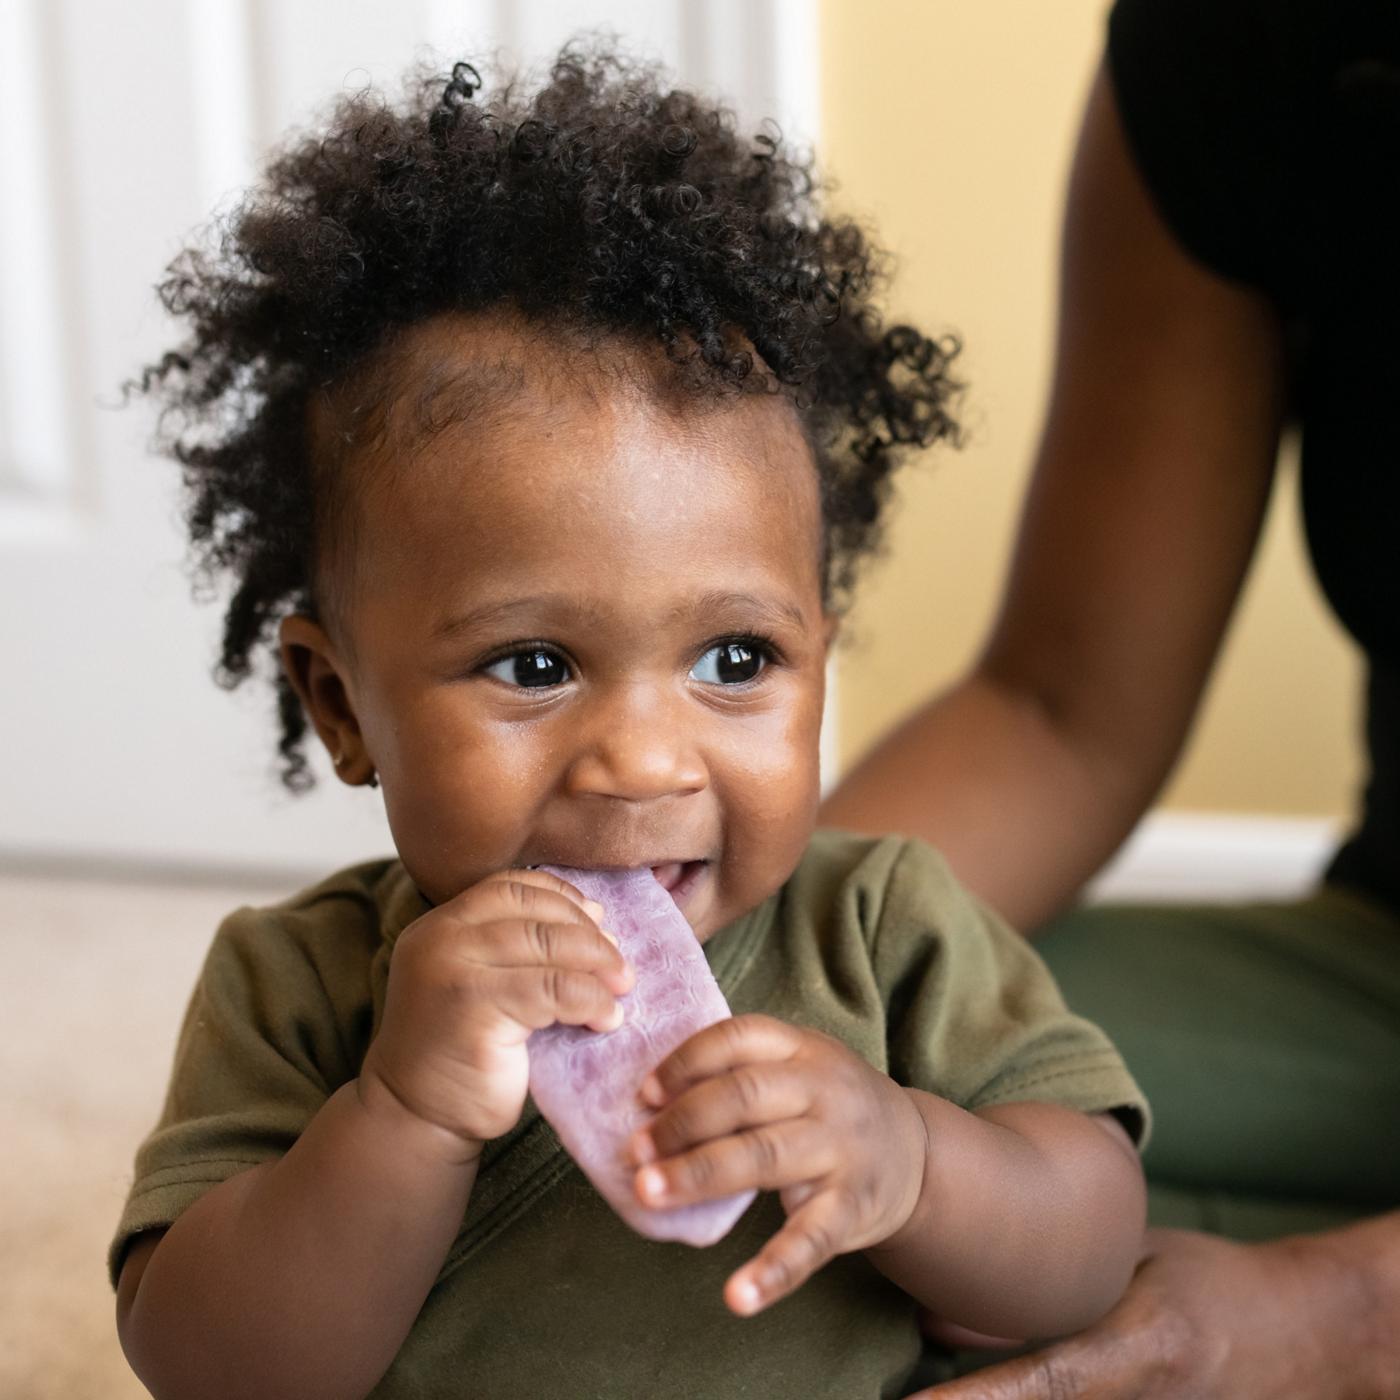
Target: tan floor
{"type": "Point", "coordinates": [95, 979]}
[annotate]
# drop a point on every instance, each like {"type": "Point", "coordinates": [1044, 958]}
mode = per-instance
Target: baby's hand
{"type": "Point", "coordinates": [753, 1102]}
{"type": "Point", "coordinates": [469, 982]}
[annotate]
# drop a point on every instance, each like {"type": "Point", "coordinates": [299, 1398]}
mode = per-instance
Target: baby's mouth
{"type": "Point", "coordinates": [677, 877]}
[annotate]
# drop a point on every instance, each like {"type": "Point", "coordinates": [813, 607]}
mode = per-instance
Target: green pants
{"type": "Point", "coordinates": [1267, 1040]}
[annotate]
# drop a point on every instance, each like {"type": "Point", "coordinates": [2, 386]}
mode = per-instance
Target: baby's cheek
{"type": "Point", "coordinates": [454, 821]}
{"type": "Point", "coordinates": [771, 811]}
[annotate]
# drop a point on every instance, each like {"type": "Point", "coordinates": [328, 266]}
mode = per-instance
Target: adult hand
{"type": "Point", "coordinates": [1209, 1319]}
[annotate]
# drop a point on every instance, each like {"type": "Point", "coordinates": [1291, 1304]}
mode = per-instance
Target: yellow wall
{"type": "Point", "coordinates": [948, 126]}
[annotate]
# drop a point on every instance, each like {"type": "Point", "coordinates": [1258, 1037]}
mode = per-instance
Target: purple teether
{"type": "Point", "coordinates": [585, 1082]}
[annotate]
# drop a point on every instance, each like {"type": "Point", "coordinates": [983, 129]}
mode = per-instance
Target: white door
{"type": "Point", "coordinates": [121, 128]}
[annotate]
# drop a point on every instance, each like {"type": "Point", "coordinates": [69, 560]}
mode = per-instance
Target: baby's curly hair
{"type": "Point", "coordinates": [602, 200]}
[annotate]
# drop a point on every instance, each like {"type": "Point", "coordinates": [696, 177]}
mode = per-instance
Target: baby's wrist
{"type": "Point", "coordinates": [408, 1130]}
{"type": "Point", "coordinates": [914, 1158]}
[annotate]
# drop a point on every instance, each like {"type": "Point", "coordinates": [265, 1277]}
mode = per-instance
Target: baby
{"type": "Point", "coordinates": [544, 435]}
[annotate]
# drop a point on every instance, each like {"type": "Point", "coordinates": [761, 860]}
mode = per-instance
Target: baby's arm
{"type": "Point", "coordinates": [1022, 1220]}
{"type": "Point", "coordinates": [301, 1277]}
{"type": "Point", "coordinates": [1029, 1221]}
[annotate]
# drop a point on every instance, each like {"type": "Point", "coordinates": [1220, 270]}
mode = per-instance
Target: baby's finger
{"type": "Point", "coordinates": [574, 947]}
{"type": "Point", "coordinates": [746, 1097]}
{"type": "Point", "coordinates": [797, 1195]}
{"type": "Point", "coordinates": [532, 894]}
{"type": "Point", "coordinates": [535, 997]}
{"type": "Point", "coordinates": [762, 1159]}
{"type": "Point", "coordinates": [812, 1236]}
{"type": "Point", "coordinates": [734, 1041]}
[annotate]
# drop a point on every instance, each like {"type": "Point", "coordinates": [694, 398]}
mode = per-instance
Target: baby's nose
{"type": "Point", "coordinates": [637, 750]}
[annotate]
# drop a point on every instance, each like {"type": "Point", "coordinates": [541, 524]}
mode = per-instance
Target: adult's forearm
{"type": "Point", "coordinates": [1024, 810]}
{"type": "Point", "coordinates": [1144, 507]}
{"type": "Point", "coordinates": [1030, 1222]}
{"type": "Point", "coordinates": [1353, 1304]}
{"type": "Point", "coordinates": [301, 1277]}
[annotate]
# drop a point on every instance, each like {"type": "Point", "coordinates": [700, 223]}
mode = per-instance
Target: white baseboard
{"type": "Point", "coordinates": [1207, 856]}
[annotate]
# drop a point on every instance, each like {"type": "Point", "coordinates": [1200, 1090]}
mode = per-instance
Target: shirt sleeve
{"type": "Point", "coordinates": [973, 1013]}
{"type": "Point", "coordinates": [263, 1045]}
{"type": "Point", "coordinates": [1209, 100]}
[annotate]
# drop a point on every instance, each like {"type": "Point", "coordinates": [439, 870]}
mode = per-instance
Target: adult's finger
{"type": "Point", "coordinates": [1084, 1367]}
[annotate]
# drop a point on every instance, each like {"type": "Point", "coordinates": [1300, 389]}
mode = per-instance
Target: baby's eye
{"type": "Point", "coordinates": [532, 669]}
{"type": "Point", "coordinates": [729, 663]}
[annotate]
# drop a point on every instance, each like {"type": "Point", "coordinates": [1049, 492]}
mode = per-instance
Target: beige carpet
{"type": "Point", "coordinates": [95, 980]}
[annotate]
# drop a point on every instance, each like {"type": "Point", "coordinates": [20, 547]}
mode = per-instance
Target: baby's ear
{"type": "Point", "coordinates": [318, 676]}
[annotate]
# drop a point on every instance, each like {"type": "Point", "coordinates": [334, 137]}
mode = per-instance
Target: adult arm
{"type": "Point", "coordinates": [1310, 1315]}
{"type": "Point", "coordinates": [1145, 504]}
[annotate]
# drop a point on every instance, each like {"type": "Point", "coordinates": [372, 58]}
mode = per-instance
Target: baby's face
{"type": "Point", "coordinates": [586, 629]}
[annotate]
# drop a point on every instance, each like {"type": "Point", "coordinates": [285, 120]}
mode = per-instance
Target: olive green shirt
{"type": "Point", "coordinates": [545, 1292]}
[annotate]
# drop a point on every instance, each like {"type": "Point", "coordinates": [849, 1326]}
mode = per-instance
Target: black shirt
{"type": "Point", "coordinates": [1268, 134]}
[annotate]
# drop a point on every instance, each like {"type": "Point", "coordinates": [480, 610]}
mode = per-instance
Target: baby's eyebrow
{"type": "Point", "coordinates": [489, 615]}
{"type": "Point", "coordinates": [566, 607]}
{"type": "Point", "coordinates": [778, 611]}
